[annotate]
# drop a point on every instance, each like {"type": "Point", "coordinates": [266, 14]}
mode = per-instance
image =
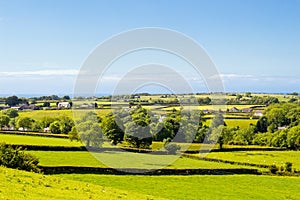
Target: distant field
{"type": "Point", "coordinates": [198, 146]}
{"type": "Point", "coordinates": [260, 157]}
{"type": "Point", "coordinates": [242, 123]}
{"type": "Point", "coordinates": [210, 107]}
{"type": "Point", "coordinates": [35, 140]}
{"type": "Point", "coordinates": [125, 160]}
{"type": "Point", "coordinates": [281, 97]}
{"type": "Point", "coordinates": [233, 187]}
{"type": "Point", "coordinates": [17, 184]}
{"type": "Point", "coordinates": [39, 114]}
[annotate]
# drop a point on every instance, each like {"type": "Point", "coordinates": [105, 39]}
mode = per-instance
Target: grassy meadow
{"type": "Point", "coordinates": [260, 157]}
{"type": "Point", "coordinates": [125, 160]}
{"type": "Point", "coordinates": [200, 187]}
{"type": "Point", "coordinates": [242, 123]}
{"type": "Point", "coordinates": [17, 184]}
{"type": "Point", "coordinates": [35, 140]}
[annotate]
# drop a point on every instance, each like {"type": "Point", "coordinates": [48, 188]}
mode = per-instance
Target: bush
{"type": "Point", "coordinates": [172, 148]}
{"type": "Point", "coordinates": [273, 169]}
{"type": "Point", "coordinates": [288, 167]}
{"type": "Point", "coordinates": [14, 158]}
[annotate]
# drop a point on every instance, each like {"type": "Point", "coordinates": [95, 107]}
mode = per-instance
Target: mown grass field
{"type": "Point", "coordinates": [49, 141]}
{"type": "Point", "coordinates": [125, 160]}
{"type": "Point", "coordinates": [24, 185]}
{"type": "Point", "coordinates": [242, 123]}
{"type": "Point", "coordinates": [260, 157]}
{"type": "Point", "coordinates": [200, 146]}
{"type": "Point", "coordinates": [77, 114]}
{"type": "Point", "coordinates": [35, 140]}
{"type": "Point", "coordinates": [17, 184]}
{"type": "Point", "coordinates": [201, 187]}
{"type": "Point", "coordinates": [210, 107]}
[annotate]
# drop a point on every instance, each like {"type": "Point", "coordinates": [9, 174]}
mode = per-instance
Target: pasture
{"type": "Point", "coordinates": [211, 107]}
{"type": "Point", "coordinates": [17, 184]}
{"type": "Point", "coordinates": [200, 186]}
{"type": "Point", "coordinates": [125, 160]}
{"type": "Point", "coordinates": [260, 157]}
{"type": "Point", "coordinates": [76, 114]}
{"type": "Point", "coordinates": [242, 123]}
{"type": "Point", "coordinates": [20, 185]}
{"type": "Point", "coordinates": [35, 140]}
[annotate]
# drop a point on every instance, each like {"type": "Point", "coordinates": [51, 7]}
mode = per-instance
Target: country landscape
{"type": "Point", "coordinates": [140, 99]}
{"type": "Point", "coordinates": [257, 141]}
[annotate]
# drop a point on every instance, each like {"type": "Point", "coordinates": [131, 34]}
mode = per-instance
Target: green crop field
{"type": "Point", "coordinates": [201, 187]}
{"type": "Point", "coordinates": [210, 107]}
{"type": "Point", "coordinates": [35, 140]}
{"type": "Point", "coordinates": [17, 184]}
{"type": "Point", "coordinates": [39, 114]}
{"type": "Point", "coordinates": [198, 146]}
{"type": "Point", "coordinates": [125, 160]}
{"type": "Point", "coordinates": [242, 123]}
{"type": "Point", "coordinates": [260, 157]}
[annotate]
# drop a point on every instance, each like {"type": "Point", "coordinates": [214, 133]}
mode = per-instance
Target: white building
{"type": "Point", "coordinates": [64, 105]}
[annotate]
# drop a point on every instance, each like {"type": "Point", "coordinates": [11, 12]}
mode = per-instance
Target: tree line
{"type": "Point", "coordinates": [138, 127]}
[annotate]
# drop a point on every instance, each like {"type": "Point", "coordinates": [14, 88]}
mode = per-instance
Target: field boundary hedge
{"type": "Point", "coordinates": [126, 171]}
{"type": "Point", "coordinates": [236, 149]}
{"type": "Point", "coordinates": [83, 148]}
{"type": "Point", "coordinates": [226, 161]}
{"type": "Point", "coordinates": [133, 150]}
{"type": "Point", "coordinates": [30, 133]}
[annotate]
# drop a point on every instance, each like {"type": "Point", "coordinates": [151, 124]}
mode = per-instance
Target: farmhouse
{"type": "Point", "coordinates": [30, 107]}
{"type": "Point", "coordinates": [4, 107]}
{"type": "Point", "coordinates": [234, 109]}
{"type": "Point", "coordinates": [207, 111]}
{"type": "Point", "coordinates": [258, 113]}
{"type": "Point", "coordinates": [64, 105]}
{"type": "Point", "coordinates": [247, 110]}
{"type": "Point", "coordinates": [26, 107]}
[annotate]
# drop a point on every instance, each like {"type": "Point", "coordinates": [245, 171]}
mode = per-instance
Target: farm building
{"type": "Point", "coordinates": [64, 105]}
{"type": "Point", "coordinates": [234, 109]}
{"type": "Point", "coordinates": [247, 110]}
{"type": "Point", "coordinates": [258, 113]}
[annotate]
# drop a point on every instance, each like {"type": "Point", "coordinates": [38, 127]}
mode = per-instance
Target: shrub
{"type": "Point", "coordinates": [273, 169]}
{"type": "Point", "coordinates": [288, 167]}
{"type": "Point", "coordinates": [14, 158]}
{"type": "Point", "coordinates": [172, 148]}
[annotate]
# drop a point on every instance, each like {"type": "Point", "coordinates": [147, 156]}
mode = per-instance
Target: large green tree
{"type": "Point", "coordinates": [90, 133]}
{"type": "Point", "coordinates": [138, 136]}
{"type": "Point", "coordinates": [293, 138]}
{"type": "Point", "coordinates": [12, 101]}
{"type": "Point", "coordinates": [25, 123]}
{"type": "Point", "coordinates": [55, 127]}
{"type": "Point", "coordinates": [4, 120]}
{"type": "Point", "coordinates": [12, 113]}
{"type": "Point", "coordinates": [137, 131]}
{"type": "Point", "coordinates": [111, 129]}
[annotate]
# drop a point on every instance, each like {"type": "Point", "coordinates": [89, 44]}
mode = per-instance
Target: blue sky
{"type": "Point", "coordinates": [254, 44]}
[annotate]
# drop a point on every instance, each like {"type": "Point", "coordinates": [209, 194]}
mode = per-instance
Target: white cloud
{"type": "Point", "coordinates": [59, 72]}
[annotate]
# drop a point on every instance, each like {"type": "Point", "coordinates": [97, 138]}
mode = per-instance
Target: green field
{"type": "Point", "coordinates": [17, 184]}
{"type": "Point", "coordinates": [201, 187]}
{"type": "Point", "coordinates": [242, 123]}
{"type": "Point", "coordinates": [39, 114]}
{"type": "Point", "coordinates": [260, 157]}
{"type": "Point", "coordinates": [36, 140]}
{"type": "Point", "coordinates": [198, 146]}
{"type": "Point", "coordinates": [211, 107]}
{"type": "Point", "coordinates": [24, 185]}
{"type": "Point", "coordinates": [125, 160]}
